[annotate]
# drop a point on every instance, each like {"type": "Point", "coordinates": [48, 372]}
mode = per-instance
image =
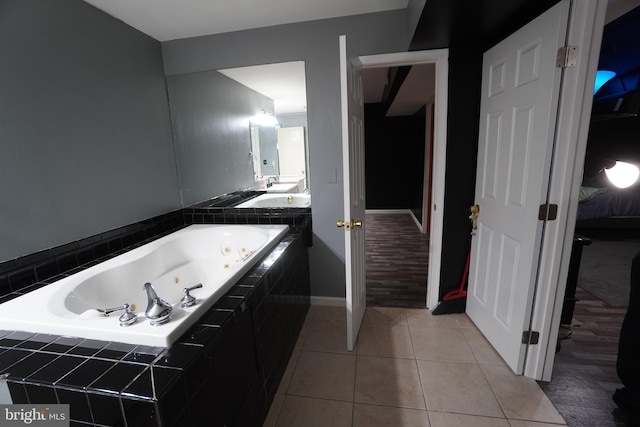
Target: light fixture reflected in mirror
{"type": "Point", "coordinates": [264, 119]}
{"type": "Point", "coordinates": [622, 174]}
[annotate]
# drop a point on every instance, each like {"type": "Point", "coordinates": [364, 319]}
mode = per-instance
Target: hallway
{"type": "Point", "coordinates": [397, 258]}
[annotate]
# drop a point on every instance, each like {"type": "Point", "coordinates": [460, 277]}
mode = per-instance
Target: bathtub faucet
{"type": "Point", "coordinates": [158, 310]}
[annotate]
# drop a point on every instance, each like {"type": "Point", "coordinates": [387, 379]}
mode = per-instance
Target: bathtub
{"type": "Point", "coordinates": [213, 255]}
{"type": "Point", "coordinates": [287, 200]}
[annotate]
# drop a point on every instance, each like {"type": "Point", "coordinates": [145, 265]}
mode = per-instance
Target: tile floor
{"type": "Point", "coordinates": [410, 368]}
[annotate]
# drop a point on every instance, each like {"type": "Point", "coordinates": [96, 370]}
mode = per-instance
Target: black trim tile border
{"type": "Point", "coordinates": [235, 353]}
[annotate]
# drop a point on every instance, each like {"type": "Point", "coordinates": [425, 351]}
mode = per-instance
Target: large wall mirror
{"type": "Point", "coordinates": [222, 143]}
{"type": "Point", "coordinates": [278, 138]}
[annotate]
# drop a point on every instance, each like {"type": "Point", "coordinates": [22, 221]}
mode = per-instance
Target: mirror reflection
{"type": "Point", "coordinates": [278, 139]}
{"type": "Point", "coordinates": [221, 143]}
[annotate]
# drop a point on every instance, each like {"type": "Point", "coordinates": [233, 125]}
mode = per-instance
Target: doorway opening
{"type": "Point", "coordinates": [405, 133]}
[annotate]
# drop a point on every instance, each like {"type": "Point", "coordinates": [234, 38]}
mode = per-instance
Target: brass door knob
{"type": "Point", "coordinates": [475, 211]}
{"type": "Point", "coordinates": [351, 224]}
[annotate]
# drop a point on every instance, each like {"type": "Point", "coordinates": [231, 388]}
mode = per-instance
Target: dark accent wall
{"type": "Point", "coordinates": [465, 74]}
{"type": "Point", "coordinates": [210, 117]}
{"type": "Point", "coordinates": [86, 141]}
{"type": "Point", "coordinates": [394, 159]}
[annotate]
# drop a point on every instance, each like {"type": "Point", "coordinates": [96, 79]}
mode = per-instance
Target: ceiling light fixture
{"type": "Point", "coordinates": [264, 119]}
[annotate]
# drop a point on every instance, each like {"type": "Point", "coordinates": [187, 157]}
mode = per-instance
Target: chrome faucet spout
{"type": "Point", "coordinates": [158, 310]}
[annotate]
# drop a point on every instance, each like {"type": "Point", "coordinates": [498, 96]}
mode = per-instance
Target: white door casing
{"type": "Point", "coordinates": [574, 116]}
{"type": "Point", "coordinates": [519, 104]}
{"type": "Point", "coordinates": [439, 57]}
{"type": "Point", "coordinates": [354, 191]}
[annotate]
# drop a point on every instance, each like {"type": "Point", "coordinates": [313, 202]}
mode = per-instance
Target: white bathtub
{"type": "Point", "coordinates": [215, 255]}
{"type": "Point", "coordinates": [287, 200]}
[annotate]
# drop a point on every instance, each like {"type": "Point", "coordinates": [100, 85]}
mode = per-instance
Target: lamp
{"type": "Point", "coordinates": [602, 76]}
{"type": "Point", "coordinates": [264, 119]}
{"type": "Point", "coordinates": [622, 174]}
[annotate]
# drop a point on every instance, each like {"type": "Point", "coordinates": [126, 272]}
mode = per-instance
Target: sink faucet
{"type": "Point", "coordinates": [271, 180]}
{"type": "Point", "coordinates": [158, 310]}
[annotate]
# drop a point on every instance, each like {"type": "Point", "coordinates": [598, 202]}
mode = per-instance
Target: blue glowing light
{"type": "Point", "coordinates": [602, 76]}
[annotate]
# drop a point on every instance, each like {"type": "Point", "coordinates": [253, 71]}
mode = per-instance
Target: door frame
{"type": "Point", "coordinates": [439, 57]}
{"type": "Point", "coordinates": [586, 26]}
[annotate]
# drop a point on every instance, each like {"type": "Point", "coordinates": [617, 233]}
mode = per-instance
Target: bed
{"type": "Point", "coordinates": [608, 208]}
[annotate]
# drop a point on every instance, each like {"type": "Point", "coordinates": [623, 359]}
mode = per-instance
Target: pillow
{"type": "Point", "coordinates": [588, 193]}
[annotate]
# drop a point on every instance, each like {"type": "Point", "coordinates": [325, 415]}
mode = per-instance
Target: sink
{"type": "Point", "coordinates": [284, 187]}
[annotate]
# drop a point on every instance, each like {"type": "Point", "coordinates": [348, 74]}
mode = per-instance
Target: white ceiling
{"type": "Point", "coordinates": [283, 82]}
{"type": "Point", "coordinates": [176, 19]}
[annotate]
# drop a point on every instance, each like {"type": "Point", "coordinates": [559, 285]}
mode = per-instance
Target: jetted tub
{"type": "Point", "coordinates": [215, 255]}
{"type": "Point", "coordinates": [287, 200]}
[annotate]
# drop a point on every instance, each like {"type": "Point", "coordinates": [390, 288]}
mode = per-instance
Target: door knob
{"type": "Point", "coordinates": [349, 225]}
{"type": "Point", "coordinates": [475, 211]}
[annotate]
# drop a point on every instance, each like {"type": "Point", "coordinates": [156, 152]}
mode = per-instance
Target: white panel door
{"type": "Point", "coordinates": [520, 92]}
{"type": "Point", "coordinates": [354, 201]}
{"type": "Point", "coordinates": [291, 152]}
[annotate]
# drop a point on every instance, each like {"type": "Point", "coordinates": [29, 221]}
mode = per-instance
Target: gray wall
{"type": "Point", "coordinates": [316, 43]}
{"type": "Point", "coordinates": [86, 141]}
{"type": "Point", "coordinates": [210, 116]}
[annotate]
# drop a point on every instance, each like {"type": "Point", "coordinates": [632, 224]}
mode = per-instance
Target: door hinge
{"type": "Point", "coordinates": [567, 56]}
{"type": "Point", "coordinates": [530, 337]}
{"type": "Point", "coordinates": [548, 212]}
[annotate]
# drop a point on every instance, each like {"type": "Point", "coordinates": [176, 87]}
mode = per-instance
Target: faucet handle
{"type": "Point", "coordinates": [189, 300]}
{"type": "Point", "coordinates": [127, 318]}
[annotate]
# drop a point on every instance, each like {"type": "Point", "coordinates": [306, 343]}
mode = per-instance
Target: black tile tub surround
{"type": "Point", "coordinates": [223, 371]}
{"type": "Point", "coordinates": [24, 274]}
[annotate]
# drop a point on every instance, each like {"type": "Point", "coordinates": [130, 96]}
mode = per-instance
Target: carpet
{"type": "Point", "coordinates": [605, 269]}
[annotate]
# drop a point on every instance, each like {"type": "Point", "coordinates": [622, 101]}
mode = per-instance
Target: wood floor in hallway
{"type": "Point", "coordinates": [584, 372]}
{"type": "Point", "coordinates": [397, 256]}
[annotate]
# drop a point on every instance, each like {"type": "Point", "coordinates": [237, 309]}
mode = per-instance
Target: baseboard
{"type": "Point", "coordinates": [396, 211]}
{"type": "Point", "coordinates": [387, 211]}
{"type": "Point", "coordinates": [333, 301]}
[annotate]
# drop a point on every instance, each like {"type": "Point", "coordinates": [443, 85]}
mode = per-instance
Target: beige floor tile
{"type": "Point", "coordinates": [303, 332]}
{"type": "Point", "coordinates": [520, 397]}
{"type": "Point", "coordinates": [324, 375]}
{"type": "Point", "coordinates": [385, 340]}
{"type": "Point", "coordinates": [481, 348]}
{"type": "Point", "coordinates": [520, 423]}
{"type": "Point", "coordinates": [464, 321]}
{"type": "Point", "coordinates": [307, 412]}
{"type": "Point", "coordinates": [274, 411]}
{"type": "Point", "coordinates": [387, 416]}
{"type": "Point", "coordinates": [443, 419]}
{"type": "Point", "coordinates": [423, 317]}
{"type": "Point", "coordinates": [288, 372]}
{"type": "Point", "coordinates": [392, 315]}
{"type": "Point", "coordinates": [457, 387]}
{"type": "Point", "coordinates": [387, 381]}
{"type": "Point", "coordinates": [328, 312]}
{"type": "Point", "coordinates": [438, 343]}
{"type": "Point", "coordinates": [327, 336]}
